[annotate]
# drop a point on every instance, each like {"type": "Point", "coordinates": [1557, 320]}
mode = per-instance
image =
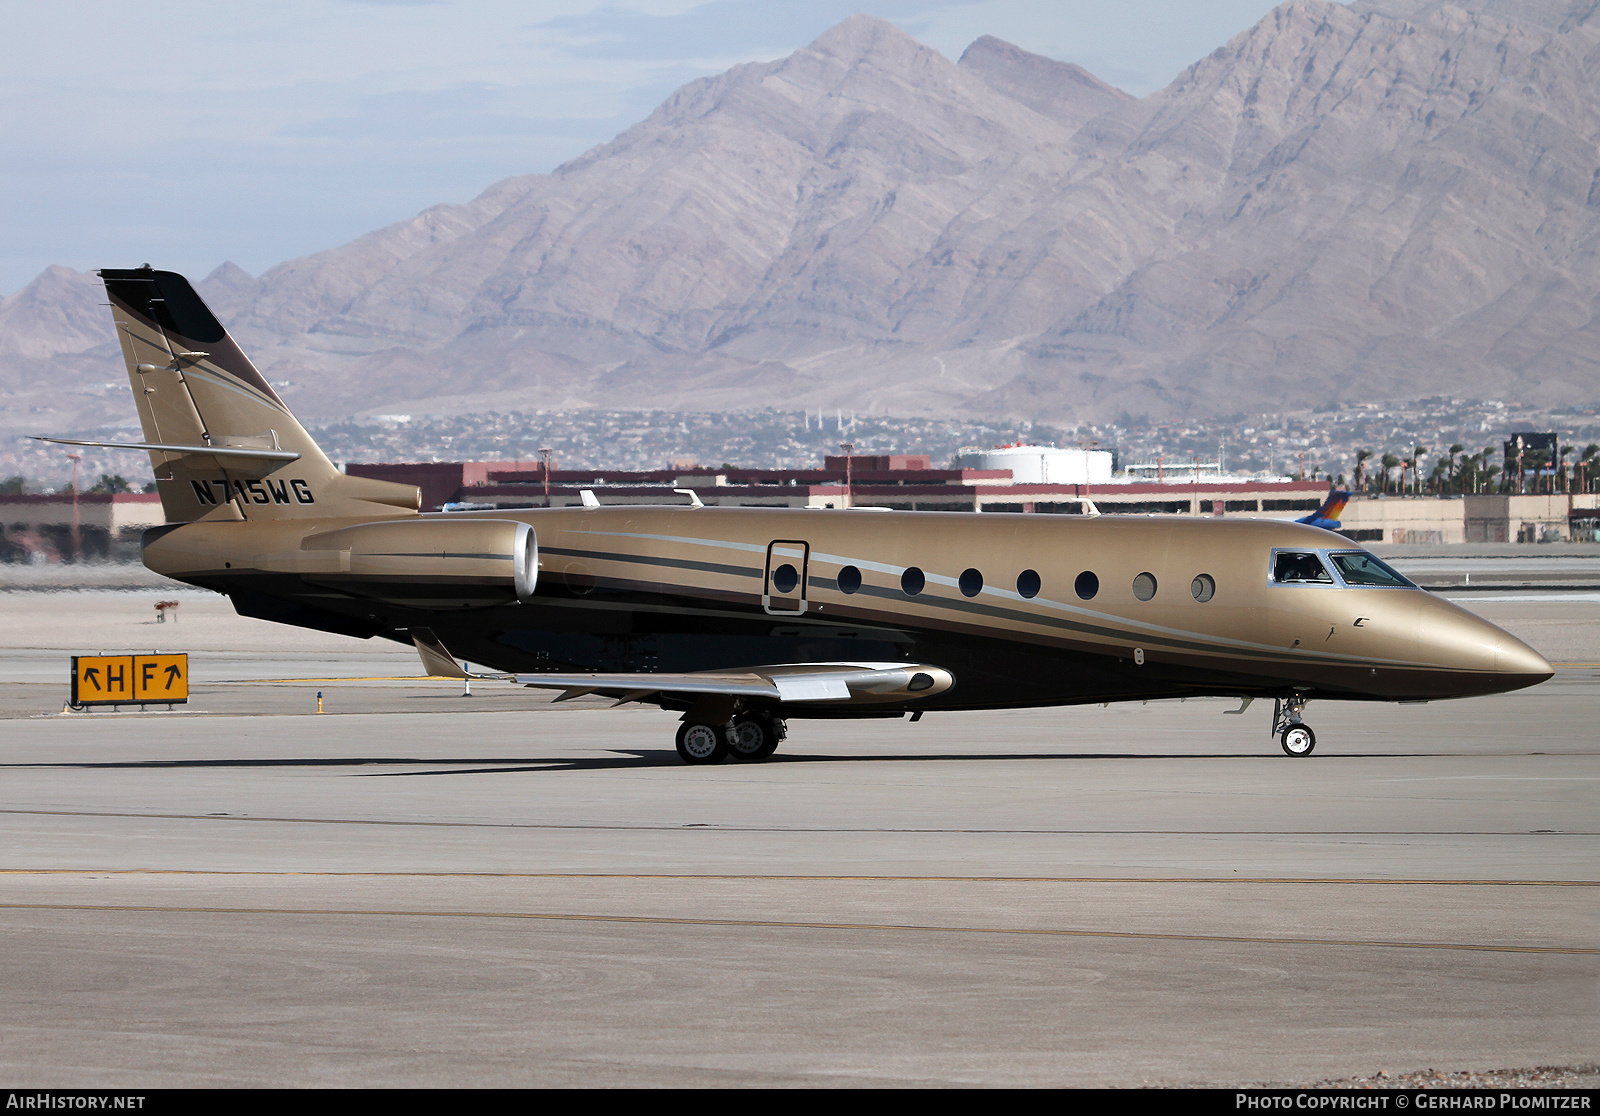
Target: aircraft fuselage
{"type": "Point", "coordinates": [1023, 610]}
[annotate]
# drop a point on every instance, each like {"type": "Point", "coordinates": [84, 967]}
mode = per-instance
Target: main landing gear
{"type": "Point", "coordinates": [1295, 735]}
{"type": "Point", "coordinates": [749, 738]}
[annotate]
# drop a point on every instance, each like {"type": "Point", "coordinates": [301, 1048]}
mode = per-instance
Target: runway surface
{"type": "Point", "coordinates": [420, 888]}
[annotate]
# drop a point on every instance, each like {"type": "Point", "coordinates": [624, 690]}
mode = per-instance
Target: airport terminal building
{"type": "Point", "coordinates": [898, 482]}
{"type": "Point", "coordinates": [1030, 479]}
{"type": "Point", "coordinates": [60, 527]}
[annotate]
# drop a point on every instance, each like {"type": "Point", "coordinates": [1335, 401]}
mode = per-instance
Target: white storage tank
{"type": "Point", "coordinates": [1043, 464]}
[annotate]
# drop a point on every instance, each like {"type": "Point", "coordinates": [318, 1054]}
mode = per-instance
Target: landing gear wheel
{"type": "Point", "coordinates": [754, 739]}
{"type": "Point", "coordinates": [700, 744]}
{"type": "Point", "coordinates": [1298, 740]}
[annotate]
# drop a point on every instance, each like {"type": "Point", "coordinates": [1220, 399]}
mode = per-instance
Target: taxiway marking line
{"type": "Point", "coordinates": [770, 924]}
{"type": "Point", "coordinates": [751, 829]}
{"type": "Point", "coordinates": [360, 678]}
{"type": "Point", "coordinates": [795, 878]}
{"type": "Point", "coordinates": [710, 828]}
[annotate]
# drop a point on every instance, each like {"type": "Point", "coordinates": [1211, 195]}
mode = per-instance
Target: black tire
{"type": "Point", "coordinates": [1298, 740]}
{"type": "Point", "coordinates": [701, 744]}
{"type": "Point", "coordinates": [754, 739]}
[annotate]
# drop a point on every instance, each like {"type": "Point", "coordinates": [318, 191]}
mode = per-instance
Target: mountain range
{"type": "Point", "coordinates": [1387, 200]}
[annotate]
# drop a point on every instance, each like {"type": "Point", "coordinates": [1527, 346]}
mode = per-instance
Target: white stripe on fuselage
{"type": "Point", "coordinates": [1014, 597]}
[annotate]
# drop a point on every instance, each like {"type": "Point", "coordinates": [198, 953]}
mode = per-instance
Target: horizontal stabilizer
{"type": "Point", "coordinates": [225, 453]}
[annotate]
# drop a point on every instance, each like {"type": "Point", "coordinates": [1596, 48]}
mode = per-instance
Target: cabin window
{"type": "Point", "coordinates": [1144, 586]}
{"type": "Point", "coordinates": [1359, 568]}
{"type": "Point", "coordinates": [1300, 567]}
{"type": "Point", "coordinates": [1204, 587]}
{"type": "Point", "coordinates": [1028, 583]}
{"type": "Point", "coordinates": [849, 579]}
{"type": "Point", "coordinates": [785, 578]}
{"type": "Point", "coordinates": [971, 583]}
{"type": "Point", "coordinates": [912, 581]}
{"type": "Point", "coordinates": [1086, 586]}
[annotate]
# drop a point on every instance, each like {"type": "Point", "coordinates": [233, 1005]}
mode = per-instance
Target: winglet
{"type": "Point", "coordinates": [437, 661]}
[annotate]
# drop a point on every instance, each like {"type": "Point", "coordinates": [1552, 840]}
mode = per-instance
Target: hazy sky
{"type": "Point", "coordinates": [190, 132]}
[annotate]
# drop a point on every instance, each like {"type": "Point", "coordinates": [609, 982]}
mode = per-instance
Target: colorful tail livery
{"type": "Point", "coordinates": [1327, 516]}
{"type": "Point", "coordinates": [223, 445]}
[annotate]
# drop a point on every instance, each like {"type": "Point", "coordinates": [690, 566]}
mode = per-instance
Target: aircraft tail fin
{"type": "Point", "coordinates": [1327, 516]}
{"type": "Point", "coordinates": [223, 445]}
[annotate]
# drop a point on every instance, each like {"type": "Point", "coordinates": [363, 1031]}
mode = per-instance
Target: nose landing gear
{"type": "Point", "coordinates": [1295, 736]}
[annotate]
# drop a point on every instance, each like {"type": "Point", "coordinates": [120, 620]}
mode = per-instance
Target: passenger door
{"type": "Point", "coordinates": [784, 590]}
{"type": "Point", "coordinates": [1301, 594]}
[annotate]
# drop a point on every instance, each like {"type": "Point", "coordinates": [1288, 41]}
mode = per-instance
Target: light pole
{"type": "Point", "coordinates": [545, 453]}
{"type": "Point", "coordinates": [77, 524]}
{"type": "Point", "coordinates": [849, 485]}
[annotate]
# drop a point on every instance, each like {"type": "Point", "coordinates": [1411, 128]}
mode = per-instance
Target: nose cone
{"type": "Point", "coordinates": [1518, 664]}
{"type": "Point", "coordinates": [1477, 657]}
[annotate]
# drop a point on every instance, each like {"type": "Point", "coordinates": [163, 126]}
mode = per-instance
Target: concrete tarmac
{"type": "Point", "coordinates": [419, 888]}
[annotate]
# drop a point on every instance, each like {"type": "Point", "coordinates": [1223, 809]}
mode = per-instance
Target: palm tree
{"type": "Point", "coordinates": [1361, 468]}
{"type": "Point", "coordinates": [1389, 461]}
{"type": "Point", "coordinates": [112, 484]}
{"type": "Point", "coordinates": [1562, 459]}
{"type": "Point", "coordinates": [1416, 470]}
{"type": "Point", "coordinates": [1455, 448]}
{"type": "Point", "coordinates": [1538, 460]}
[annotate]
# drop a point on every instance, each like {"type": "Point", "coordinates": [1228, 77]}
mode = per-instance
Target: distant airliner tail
{"type": "Point", "coordinates": [1327, 516]}
{"type": "Point", "coordinates": [223, 445]}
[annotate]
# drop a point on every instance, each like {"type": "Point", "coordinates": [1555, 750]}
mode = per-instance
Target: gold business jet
{"type": "Point", "coordinates": [742, 619]}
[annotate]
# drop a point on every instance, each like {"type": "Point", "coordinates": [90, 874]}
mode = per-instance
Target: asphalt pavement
{"type": "Point", "coordinates": [421, 888]}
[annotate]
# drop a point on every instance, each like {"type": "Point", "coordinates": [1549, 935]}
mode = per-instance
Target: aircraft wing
{"type": "Point", "coordinates": [784, 682]}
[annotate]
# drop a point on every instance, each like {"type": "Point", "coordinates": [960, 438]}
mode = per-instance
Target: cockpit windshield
{"type": "Point", "coordinates": [1299, 567]}
{"type": "Point", "coordinates": [1358, 568]}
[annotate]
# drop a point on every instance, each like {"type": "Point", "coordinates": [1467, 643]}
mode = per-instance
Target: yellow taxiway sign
{"type": "Point", "coordinates": [129, 679]}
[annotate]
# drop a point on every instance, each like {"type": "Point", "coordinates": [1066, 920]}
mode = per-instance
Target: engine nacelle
{"type": "Point", "coordinates": [427, 563]}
